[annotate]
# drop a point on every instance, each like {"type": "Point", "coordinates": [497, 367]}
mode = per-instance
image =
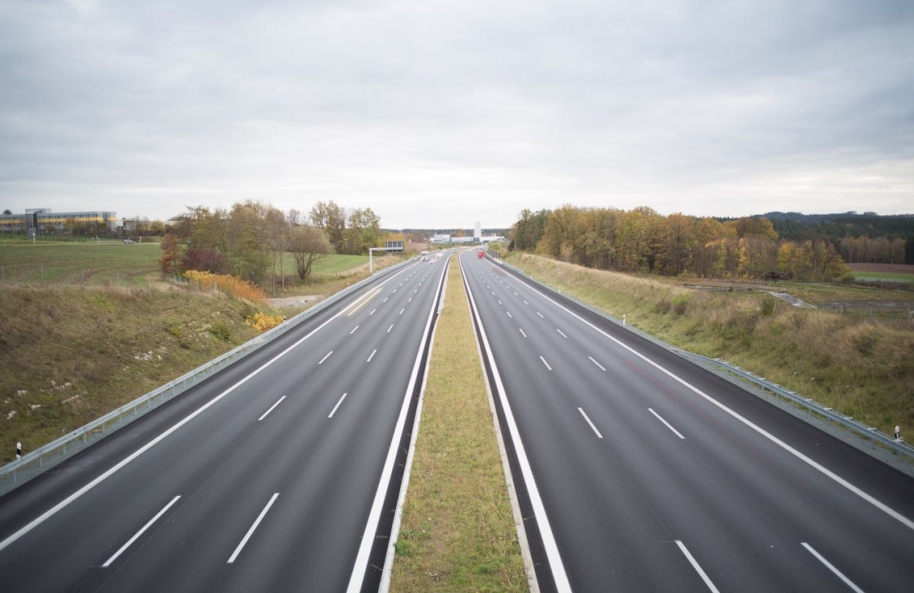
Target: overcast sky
{"type": "Point", "coordinates": [441, 113]}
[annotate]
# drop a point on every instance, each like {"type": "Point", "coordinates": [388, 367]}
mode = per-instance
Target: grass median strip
{"type": "Point", "coordinates": [457, 531]}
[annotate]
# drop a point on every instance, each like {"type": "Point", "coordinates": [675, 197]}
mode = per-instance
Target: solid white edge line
{"type": "Point", "coordinates": [139, 533]}
{"type": "Point", "coordinates": [545, 363]}
{"type": "Point", "coordinates": [279, 401]}
{"type": "Point", "coordinates": [600, 366]}
{"type": "Point", "coordinates": [592, 427]}
{"type": "Point", "coordinates": [832, 568]}
{"type": "Point", "coordinates": [250, 532]}
{"type": "Point", "coordinates": [667, 424]}
{"type": "Point", "coordinates": [65, 502]}
{"type": "Point", "coordinates": [326, 356]}
{"type": "Point", "coordinates": [340, 401]}
{"type": "Point", "coordinates": [557, 567]}
{"type": "Point", "coordinates": [696, 566]}
{"type": "Point", "coordinates": [374, 516]}
{"type": "Point", "coordinates": [801, 456]}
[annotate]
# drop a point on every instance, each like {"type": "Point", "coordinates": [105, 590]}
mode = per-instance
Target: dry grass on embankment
{"type": "Point", "coordinates": [457, 531]}
{"type": "Point", "coordinates": [72, 354]}
{"type": "Point", "coordinates": [862, 368]}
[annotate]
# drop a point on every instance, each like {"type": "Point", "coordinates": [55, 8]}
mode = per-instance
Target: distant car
{"type": "Point", "coordinates": [128, 241]}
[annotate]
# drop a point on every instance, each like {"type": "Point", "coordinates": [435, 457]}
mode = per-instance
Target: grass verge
{"type": "Point", "coordinates": [457, 531]}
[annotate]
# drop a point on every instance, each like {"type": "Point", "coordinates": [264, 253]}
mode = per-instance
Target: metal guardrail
{"type": "Point", "coordinates": [47, 456]}
{"type": "Point", "coordinates": [848, 422]}
{"type": "Point", "coordinates": [869, 432]}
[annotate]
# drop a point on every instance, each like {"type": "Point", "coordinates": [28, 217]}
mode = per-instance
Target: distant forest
{"type": "Point", "coordinates": [775, 245]}
{"type": "Point", "coordinates": [859, 238]}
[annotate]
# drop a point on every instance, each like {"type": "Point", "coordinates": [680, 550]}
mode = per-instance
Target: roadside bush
{"type": "Point", "coordinates": [262, 322]}
{"type": "Point", "coordinates": [769, 305]}
{"type": "Point", "coordinates": [230, 285]}
{"type": "Point", "coordinates": [221, 330]}
{"type": "Point", "coordinates": [680, 304]}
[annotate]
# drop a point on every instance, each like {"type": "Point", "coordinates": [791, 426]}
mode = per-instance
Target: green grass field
{"type": "Point", "coordinates": [103, 263]}
{"type": "Point", "coordinates": [883, 276]}
{"type": "Point", "coordinates": [337, 264]}
{"type": "Point", "coordinates": [112, 263]}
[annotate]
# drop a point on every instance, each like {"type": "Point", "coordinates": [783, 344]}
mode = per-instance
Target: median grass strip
{"type": "Point", "coordinates": [457, 531]}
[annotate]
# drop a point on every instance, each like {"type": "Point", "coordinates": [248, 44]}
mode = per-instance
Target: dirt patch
{"type": "Point", "coordinates": [296, 302]}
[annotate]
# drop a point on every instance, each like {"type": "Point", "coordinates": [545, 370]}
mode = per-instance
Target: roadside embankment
{"type": "Point", "coordinates": [860, 367]}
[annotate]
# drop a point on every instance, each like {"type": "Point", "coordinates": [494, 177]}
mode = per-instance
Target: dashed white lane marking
{"type": "Point", "coordinates": [665, 423]}
{"type": "Point", "coordinates": [545, 363]}
{"type": "Point", "coordinates": [340, 401]}
{"type": "Point", "coordinates": [326, 356]}
{"type": "Point", "coordinates": [250, 532]}
{"type": "Point", "coordinates": [370, 356]}
{"type": "Point", "coordinates": [137, 535]}
{"type": "Point", "coordinates": [279, 401]}
{"type": "Point", "coordinates": [561, 333]}
{"type": "Point", "coordinates": [832, 568]}
{"type": "Point", "coordinates": [522, 332]}
{"type": "Point", "coordinates": [592, 427]}
{"type": "Point", "coordinates": [600, 366]}
{"type": "Point", "coordinates": [696, 566]}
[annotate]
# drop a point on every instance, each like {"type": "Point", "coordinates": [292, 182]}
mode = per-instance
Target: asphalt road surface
{"type": "Point", "coordinates": [270, 476]}
{"type": "Point", "coordinates": [639, 471]}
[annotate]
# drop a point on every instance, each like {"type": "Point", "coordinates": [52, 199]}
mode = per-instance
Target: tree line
{"type": "Point", "coordinates": [794, 225]}
{"type": "Point", "coordinates": [641, 240]}
{"type": "Point", "coordinates": [250, 240]}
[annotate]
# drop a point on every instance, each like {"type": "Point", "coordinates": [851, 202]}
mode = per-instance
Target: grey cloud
{"type": "Point", "coordinates": [457, 105]}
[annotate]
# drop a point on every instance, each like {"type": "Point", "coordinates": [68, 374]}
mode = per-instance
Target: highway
{"type": "Point", "coordinates": [271, 476]}
{"type": "Point", "coordinates": [639, 471]}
